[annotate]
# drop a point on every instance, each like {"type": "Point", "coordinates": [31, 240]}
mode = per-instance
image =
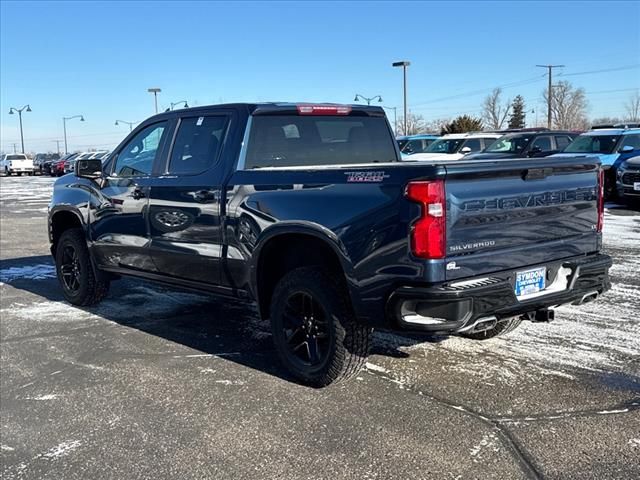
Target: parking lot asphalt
{"type": "Point", "coordinates": [162, 384]}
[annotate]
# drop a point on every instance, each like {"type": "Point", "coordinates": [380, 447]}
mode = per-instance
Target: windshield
{"type": "Point", "coordinates": [509, 144]}
{"type": "Point", "coordinates": [445, 145]}
{"type": "Point", "coordinates": [593, 144]}
{"type": "Point", "coordinates": [16, 157]}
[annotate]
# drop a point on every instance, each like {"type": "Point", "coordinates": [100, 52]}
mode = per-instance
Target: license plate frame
{"type": "Point", "coordinates": [531, 281]}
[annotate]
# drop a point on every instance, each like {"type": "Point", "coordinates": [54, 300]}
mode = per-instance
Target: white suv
{"type": "Point", "coordinates": [456, 145]}
{"type": "Point", "coordinates": [16, 163]}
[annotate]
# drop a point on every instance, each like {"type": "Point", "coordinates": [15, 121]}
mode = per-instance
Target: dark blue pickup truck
{"type": "Point", "coordinates": [308, 211]}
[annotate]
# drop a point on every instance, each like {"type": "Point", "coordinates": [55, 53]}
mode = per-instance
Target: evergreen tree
{"type": "Point", "coordinates": [518, 116]}
{"type": "Point", "coordinates": [463, 124]}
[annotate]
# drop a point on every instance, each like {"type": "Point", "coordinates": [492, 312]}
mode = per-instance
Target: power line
{"type": "Point", "coordinates": [604, 70]}
{"type": "Point", "coordinates": [484, 90]}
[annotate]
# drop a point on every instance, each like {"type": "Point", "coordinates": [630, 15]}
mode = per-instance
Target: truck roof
{"type": "Point", "coordinates": [281, 108]}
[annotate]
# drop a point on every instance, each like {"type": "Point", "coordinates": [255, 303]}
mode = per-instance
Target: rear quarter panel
{"type": "Point", "coordinates": [359, 211]}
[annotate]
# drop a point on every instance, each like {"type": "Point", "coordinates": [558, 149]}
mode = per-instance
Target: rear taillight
{"type": "Point", "coordinates": [600, 200]}
{"type": "Point", "coordinates": [428, 234]}
{"type": "Point", "coordinates": [308, 109]}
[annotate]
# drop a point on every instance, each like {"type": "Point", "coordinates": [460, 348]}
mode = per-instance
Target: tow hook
{"type": "Point", "coordinates": [543, 315]}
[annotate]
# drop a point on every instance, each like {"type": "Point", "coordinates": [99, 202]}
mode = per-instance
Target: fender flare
{"type": "Point", "coordinates": [302, 228]}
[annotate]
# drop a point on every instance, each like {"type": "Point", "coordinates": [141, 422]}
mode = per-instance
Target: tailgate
{"type": "Point", "coordinates": [508, 214]}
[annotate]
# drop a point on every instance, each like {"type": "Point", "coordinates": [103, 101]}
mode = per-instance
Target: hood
{"type": "Point", "coordinates": [633, 162]}
{"type": "Point", "coordinates": [434, 156]}
{"type": "Point", "coordinates": [605, 158]}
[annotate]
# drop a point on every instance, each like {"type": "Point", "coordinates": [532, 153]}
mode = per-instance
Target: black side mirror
{"type": "Point", "coordinates": [91, 169]}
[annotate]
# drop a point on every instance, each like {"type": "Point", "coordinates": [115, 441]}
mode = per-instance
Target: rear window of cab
{"type": "Point", "coordinates": [298, 140]}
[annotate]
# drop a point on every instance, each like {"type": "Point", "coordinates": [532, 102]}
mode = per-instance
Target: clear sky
{"type": "Point", "coordinates": [98, 58]}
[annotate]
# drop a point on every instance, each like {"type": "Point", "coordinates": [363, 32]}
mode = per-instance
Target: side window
{"type": "Point", "coordinates": [543, 143]}
{"type": "Point", "coordinates": [197, 144]}
{"type": "Point", "coordinates": [488, 141]}
{"type": "Point", "coordinates": [473, 144]}
{"type": "Point", "coordinates": [137, 156]}
{"type": "Point", "coordinates": [562, 142]}
{"type": "Point", "coordinates": [631, 141]}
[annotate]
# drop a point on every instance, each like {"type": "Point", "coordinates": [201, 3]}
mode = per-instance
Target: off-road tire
{"type": "Point", "coordinates": [348, 342]}
{"type": "Point", "coordinates": [91, 289]}
{"type": "Point", "coordinates": [501, 328]}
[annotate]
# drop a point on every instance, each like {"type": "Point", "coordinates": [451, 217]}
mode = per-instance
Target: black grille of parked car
{"type": "Point", "coordinates": [630, 177]}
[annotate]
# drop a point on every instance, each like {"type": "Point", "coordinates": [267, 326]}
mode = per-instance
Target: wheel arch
{"type": "Point", "coordinates": [287, 246]}
{"type": "Point", "coordinates": [60, 220]}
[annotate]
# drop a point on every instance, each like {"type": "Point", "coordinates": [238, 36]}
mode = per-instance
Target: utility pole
{"type": "Point", "coordinates": [57, 146]}
{"type": "Point", "coordinates": [550, 74]}
{"type": "Point", "coordinates": [14, 147]}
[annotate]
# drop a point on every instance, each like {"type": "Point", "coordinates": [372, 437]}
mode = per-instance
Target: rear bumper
{"type": "Point", "coordinates": [452, 307]}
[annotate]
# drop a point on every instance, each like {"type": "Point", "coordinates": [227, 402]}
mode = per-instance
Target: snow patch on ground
{"type": "Point", "coordinates": [230, 382]}
{"type": "Point", "coordinates": [61, 450]}
{"type": "Point", "coordinates": [49, 396]}
{"type": "Point", "coordinates": [30, 272]}
{"type": "Point", "coordinates": [376, 368]}
{"type": "Point", "coordinates": [634, 442]}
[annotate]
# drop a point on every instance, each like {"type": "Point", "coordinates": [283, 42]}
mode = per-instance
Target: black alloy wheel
{"type": "Point", "coordinates": [306, 329]}
{"type": "Point", "coordinates": [70, 269]}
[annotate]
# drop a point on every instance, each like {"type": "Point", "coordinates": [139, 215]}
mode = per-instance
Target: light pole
{"type": "Point", "coordinates": [367, 99]}
{"type": "Point", "coordinates": [404, 64]}
{"type": "Point", "coordinates": [131, 124]}
{"type": "Point", "coordinates": [57, 146]}
{"type": "Point", "coordinates": [173, 104]}
{"type": "Point", "coordinates": [395, 118]}
{"type": "Point", "coordinates": [155, 91]}
{"type": "Point", "coordinates": [12, 110]}
{"type": "Point", "coordinates": [64, 127]}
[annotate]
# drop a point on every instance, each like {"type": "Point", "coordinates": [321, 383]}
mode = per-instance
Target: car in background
{"type": "Point", "coordinates": [17, 163]}
{"type": "Point", "coordinates": [611, 145]}
{"type": "Point", "coordinates": [70, 163]}
{"type": "Point", "coordinates": [410, 144]}
{"type": "Point", "coordinates": [522, 143]}
{"type": "Point", "coordinates": [101, 155]}
{"type": "Point", "coordinates": [41, 159]}
{"type": "Point", "coordinates": [628, 179]}
{"type": "Point", "coordinates": [57, 168]}
{"type": "Point", "coordinates": [49, 164]}
{"type": "Point", "coordinates": [456, 145]}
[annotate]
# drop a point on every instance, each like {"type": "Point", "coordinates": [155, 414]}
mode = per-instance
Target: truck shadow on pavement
{"type": "Point", "coordinates": [211, 325]}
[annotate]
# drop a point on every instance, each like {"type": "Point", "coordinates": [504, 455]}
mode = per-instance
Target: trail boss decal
{"type": "Point", "coordinates": [365, 177]}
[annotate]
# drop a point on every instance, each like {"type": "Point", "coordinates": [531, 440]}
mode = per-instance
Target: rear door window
{"type": "Point", "coordinates": [197, 144]}
{"type": "Point", "coordinates": [543, 143]}
{"type": "Point", "coordinates": [474, 144]}
{"type": "Point", "coordinates": [290, 140]}
{"type": "Point", "coordinates": [562, 142]}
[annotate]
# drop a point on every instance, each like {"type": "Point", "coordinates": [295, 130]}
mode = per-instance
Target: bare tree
{"type": "Point", "coordinates": [435, 126]}
{"type": "Point", "coordinates": [494, 113]}
{"type": "Point", "coordinates": [568, 106]}
{"type": "Point", "coordinates": [415, 124]}
{"type": "Point", "coordinates": [633, 107]}
{"type": "Point", "coordinates": [606, 121]}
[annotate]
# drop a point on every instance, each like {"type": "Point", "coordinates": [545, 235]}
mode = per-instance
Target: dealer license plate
{"type": "Point", "coordinates": [530, 281]}
{"type": "Point", "coordinates": [636, 186]}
